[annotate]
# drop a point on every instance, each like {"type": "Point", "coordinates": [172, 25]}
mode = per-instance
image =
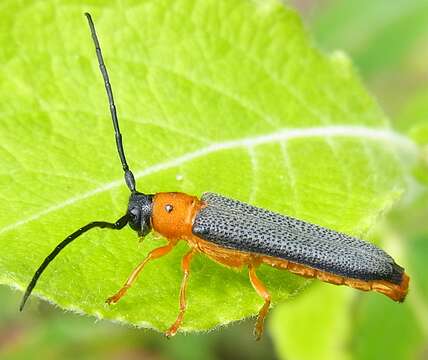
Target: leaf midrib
{"type": "Point", "coordinates": [345, 131]}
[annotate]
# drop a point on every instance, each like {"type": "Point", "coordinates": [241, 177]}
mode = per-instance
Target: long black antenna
{"type": "Point", "coordinates": [129, 177]}
{"type": "Point", "coordinates": [119, 224]}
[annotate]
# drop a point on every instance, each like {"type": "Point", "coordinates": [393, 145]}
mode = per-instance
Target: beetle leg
{"type": "Point", "coordinates": [185, 265]}
{"type": "Point", "coordinates": [154, 254]}
{"type": "Point", "coordinates": [263, 292]}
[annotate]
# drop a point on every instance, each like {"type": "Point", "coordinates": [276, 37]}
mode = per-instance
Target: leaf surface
{"type": "Point", "coordinates": [229, 97]}
{"type": "Point", "coordinates": [378, 34]}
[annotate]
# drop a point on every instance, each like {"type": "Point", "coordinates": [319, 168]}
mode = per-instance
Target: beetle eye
{"type": "Point", "coordinates": [134, 214]}
{"type": "Point", "coordinates": [168, 208]}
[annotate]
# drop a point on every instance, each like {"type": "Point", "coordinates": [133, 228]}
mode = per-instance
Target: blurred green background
{"type": "Point", "coordinates": [388, 42]}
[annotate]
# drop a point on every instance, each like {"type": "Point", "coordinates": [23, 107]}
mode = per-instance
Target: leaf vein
{"type": "Point", "coordinates": [373, 134]}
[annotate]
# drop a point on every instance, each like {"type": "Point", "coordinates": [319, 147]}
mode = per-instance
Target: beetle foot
{"type": "Point", "coordinates": [116, 297]}
{"type": "Point", "coordinates": [171, 332]}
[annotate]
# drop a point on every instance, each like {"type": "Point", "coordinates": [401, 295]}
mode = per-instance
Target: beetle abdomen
{"type": "Point", "coordinates": [236, 225]}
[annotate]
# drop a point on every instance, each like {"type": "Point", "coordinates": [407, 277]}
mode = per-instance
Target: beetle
{"type": "Point", "coordinates": [236, 235]}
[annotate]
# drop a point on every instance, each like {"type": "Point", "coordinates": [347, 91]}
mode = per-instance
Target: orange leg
{"type": "Point", "coordinates": [185, 265]}
{"type": "Point", "coordinates": [262, 291]}
{"type": "Point", "coordinates": [154, 254]}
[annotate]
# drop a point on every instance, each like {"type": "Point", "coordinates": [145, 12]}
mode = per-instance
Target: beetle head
{"type": "Point", "coordinates": [140, 212]}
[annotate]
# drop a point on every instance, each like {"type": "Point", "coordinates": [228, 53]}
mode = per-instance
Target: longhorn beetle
{"type": "Point", "coordinates": [235, 234]}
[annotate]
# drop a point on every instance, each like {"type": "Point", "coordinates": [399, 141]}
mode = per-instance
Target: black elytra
{"type": "Point", "coordinates": [239, 226]}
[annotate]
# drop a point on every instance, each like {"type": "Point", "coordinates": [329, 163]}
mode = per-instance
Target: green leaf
{"type": "Point", "coordinates": [319, 319]}
{"type": "Point", "coordinates": [220, 96]}
{"type": "Point", "coordinates": [377, 34]}
{"type": "Point", "coordinates": [387, 330]}
{"type": "Point", "coordinates": [396, 331]}
{"type": "Point", "coordinates": [413, 120]}
{"type": "Point", "coordinates": [413, 117]}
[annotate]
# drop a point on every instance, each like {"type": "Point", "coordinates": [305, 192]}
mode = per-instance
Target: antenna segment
{"type": "Point", "coordinates": [129, 176]}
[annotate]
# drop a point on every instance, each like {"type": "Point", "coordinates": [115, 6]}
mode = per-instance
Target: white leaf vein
{"type": "Point", "coordinates": [388, 136]}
